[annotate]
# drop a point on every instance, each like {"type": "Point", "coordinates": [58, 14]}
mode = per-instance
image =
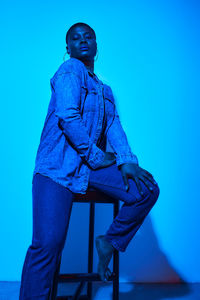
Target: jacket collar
{"type": "Point", "coordinates": [91, 73]}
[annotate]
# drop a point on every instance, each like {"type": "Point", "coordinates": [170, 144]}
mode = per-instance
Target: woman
{"type": "Point", "coordinates": [72, 157]}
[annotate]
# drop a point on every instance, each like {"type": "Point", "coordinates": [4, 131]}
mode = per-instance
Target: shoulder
{"type": "Point", "coordinates": [108, 93]}
{"type": "Point", "coordinates": [107, 87]}
{"type": "Point", "coordinates": [71, 65]}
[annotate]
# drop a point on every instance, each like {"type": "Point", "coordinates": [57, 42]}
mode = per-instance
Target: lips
{"type": "Point", "coordinates": [84, 48]}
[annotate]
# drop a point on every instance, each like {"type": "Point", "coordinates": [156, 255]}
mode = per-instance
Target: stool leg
{"type": "Point", "coordinates": [116, 260]}
{"type": "Point", "coordinates": [90, 248]}
{"type": "Point", "coordinates": [78, 291]}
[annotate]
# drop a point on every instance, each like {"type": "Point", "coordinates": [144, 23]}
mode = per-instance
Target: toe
{"type": "Point", "coordinates": [108, 273]}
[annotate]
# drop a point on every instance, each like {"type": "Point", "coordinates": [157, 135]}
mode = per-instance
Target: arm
{"type": "Point", "coordinates": [118, 141]}
{"type": "Point", "coordinates": [67, 87]}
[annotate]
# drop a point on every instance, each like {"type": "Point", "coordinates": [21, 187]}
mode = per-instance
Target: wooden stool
{"type": "Point", "coordinates": [92, 197]}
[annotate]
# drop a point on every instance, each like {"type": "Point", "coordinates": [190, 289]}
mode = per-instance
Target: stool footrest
{"type": "Point", "coordinates": [76, 277]}
{"type": "Point", "coordinates": [81, 297]}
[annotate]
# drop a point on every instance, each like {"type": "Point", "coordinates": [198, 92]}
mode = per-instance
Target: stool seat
{"type": "Point", "coordinates": [92, 196]}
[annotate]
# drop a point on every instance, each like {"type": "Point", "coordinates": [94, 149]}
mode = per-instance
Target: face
{"type": "Point", "coordinates": [80, 37]}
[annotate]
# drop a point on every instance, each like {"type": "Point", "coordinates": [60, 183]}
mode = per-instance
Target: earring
{"type": "Point", "coordinates": [64, 56]}
{"type": "Point", "coordinates": [97, 55]}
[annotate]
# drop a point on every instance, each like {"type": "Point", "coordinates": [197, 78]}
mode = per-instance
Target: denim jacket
{"type": "Point", "coordinates": [81, 117]}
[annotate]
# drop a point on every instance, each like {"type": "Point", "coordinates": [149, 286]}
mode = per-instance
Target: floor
{"type": "Point", "coordinates": [127, 291]}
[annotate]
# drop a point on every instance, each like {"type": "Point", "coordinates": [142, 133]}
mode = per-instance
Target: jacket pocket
{"type": "Point", "coordinates": [109, 106]}
{"type": "Point", "coordinates": [109, 102]}
{"type": "Point", "coordinates": [84, 92]}
{"type": "Point", "coordinates": [88, 100]}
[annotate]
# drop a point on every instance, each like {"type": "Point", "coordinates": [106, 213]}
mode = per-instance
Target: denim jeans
{"type": "Point", "coordinates": [52, 205]}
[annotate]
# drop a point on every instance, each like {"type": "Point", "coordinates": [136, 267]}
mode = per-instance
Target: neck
{"type": "Point", "coordinates": [89, 65]}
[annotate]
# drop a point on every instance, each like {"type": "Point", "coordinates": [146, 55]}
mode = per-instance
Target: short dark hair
{"type": "Point", "coordinates": [77, 24]}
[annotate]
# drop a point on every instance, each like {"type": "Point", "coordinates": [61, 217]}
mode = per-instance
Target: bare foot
{"type": "Point", "coordinates": [105, 251]}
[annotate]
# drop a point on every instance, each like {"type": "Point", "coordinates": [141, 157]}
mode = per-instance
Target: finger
{"type": "Point", "coordinates": [125, 179]}
{"type": "Point", "coordinates": [138, 186]}
{"type": "Point", "coordinates": [148, 173]}
{"type": "Point", "coordinates": [149, 178]}
{"type": "Point", "coordinates": [146, 183]}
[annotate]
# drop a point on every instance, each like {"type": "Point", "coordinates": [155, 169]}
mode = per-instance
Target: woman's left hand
{"type": "Point", "coordinates": [131, 170]}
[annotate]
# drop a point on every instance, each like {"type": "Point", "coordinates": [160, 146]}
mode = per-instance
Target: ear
{"type": "Point", "coordinates": [67, 50]}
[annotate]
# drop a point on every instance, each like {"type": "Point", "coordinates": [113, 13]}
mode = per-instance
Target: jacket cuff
{"type": "Point", "coordinates": [126, 158]}
{"type": "Point", "coordinates": [96, 157]}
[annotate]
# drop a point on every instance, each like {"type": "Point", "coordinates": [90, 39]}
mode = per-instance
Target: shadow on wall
{"type": "Point", "coordinates": [143, 262]}
{"type": "Point", "coordinates": [146, 262]}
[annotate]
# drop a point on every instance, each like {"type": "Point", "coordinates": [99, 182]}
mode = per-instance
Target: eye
{"type": "Point", "coordinates": [89, 36]}
{"type": "Point", "coordinates": [75, 37]}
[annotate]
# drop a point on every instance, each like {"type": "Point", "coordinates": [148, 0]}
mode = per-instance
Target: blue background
{"type": "Point", "coordinates": [149, 55]}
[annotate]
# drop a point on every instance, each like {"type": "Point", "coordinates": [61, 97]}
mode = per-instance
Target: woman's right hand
{"type": "Point", "coordinates": [109, 160]}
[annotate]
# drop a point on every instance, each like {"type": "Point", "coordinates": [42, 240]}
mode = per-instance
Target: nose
{"type": "Point", "coordinates": [83, 40]}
